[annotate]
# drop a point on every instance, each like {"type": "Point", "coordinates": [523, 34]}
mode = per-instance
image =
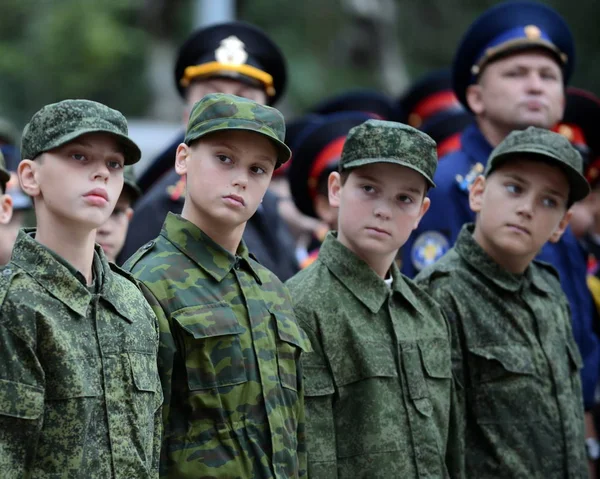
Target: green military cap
{"type": "Point", "coordinates": [59, 123]}
{"type": "Point", "coordinates": [4, 174]}
{"type": "Point", "coordinates": [550, 146]}
{"type": "Point", "coordinates": [130, 183]}
{"type": "Point", "coordinates": [219, 112]}
{"type": "Point", "coordinates": [377, 141]}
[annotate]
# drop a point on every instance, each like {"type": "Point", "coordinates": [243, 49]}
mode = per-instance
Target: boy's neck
{"type": "Point", "coordinates": [72, 244]}
{"type": "Point", "coordinates": [226, 237]}
{"type": "Point", "coordinates": [511, 263]}
{"type": "Point", "coordinates": [380, 264]}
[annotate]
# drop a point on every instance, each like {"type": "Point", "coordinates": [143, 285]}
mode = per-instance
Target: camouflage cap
{"type": "Point", "coordinates": [220, 112]}
{"type": "Point", "coordinates": [130, 183]}
{"type": "Point", "coordinates": [377, 141]}
{"type": "Point", "coordinates": [59, 123]}
{"type": "Point", "coordinates": [4, 174]}
{"type": "Point", "coordinates": [550, 146]}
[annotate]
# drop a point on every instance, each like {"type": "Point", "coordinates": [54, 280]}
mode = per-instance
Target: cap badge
{"type": "Point", "coordinates": [566, 131]}
{"type": "Point", "coordinates": [231, 51]}
{"type": "Point", "coordinates": [532, 32]}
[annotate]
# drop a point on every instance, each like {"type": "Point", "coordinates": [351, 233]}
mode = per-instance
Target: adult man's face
{"type": "Point", "coordinates": [521, 90]}
{"type": "Point", "coordinates": [200, 88]}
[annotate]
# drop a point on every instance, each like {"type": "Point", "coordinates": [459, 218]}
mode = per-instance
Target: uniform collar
{"type": "Point", "coordinates": [202, 250]}
{"type": "Point", "coordinates": [475, 145]}
{"type": "Point", "coordinates": [359, 278]}
{"type": "Point", "coordinates": [61, 280]}
{"type": "Point", "coordinates": [473, 254]}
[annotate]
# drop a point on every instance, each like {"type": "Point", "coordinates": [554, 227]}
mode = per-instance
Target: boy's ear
{"type": "Point", "coordinates": [181, 157]}
{"type": "Point", "coordinates": [424, 208]}
{"type": "Point", "coordinates": [27, 171]}
{"type": "Point", "coordinates": [476, 194]}
{"type": "Point", "coordinates": [129, 213]}
{"type": "Point", "coordinates": [562, 226]}
{"type": "Point", "coordinates": [334, 186]}
{"type": "Point", "coordinates": [6, 209]}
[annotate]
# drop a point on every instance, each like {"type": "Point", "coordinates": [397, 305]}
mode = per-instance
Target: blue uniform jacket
{"type": "Point", "coordinates": [450, 210]}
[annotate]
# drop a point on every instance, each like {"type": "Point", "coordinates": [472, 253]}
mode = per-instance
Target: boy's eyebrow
{"type": "Point", "coordinates": [411, 189]}
{"type": "Point", "coordinates": [226, 145]}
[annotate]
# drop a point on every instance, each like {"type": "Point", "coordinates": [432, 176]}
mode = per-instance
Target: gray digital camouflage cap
{"type": "Point", "coordinates": [551, 147]}
{"type": "Point", "coordinates": [130, 183]}
{"type": "Point", "coordinates": [4, 174]}
{"type": "Point", "coordinates": [377, 141]}
{"type": "Point", "coordinates": [220, 112]}
{"type": "Point", "coordinates": [59, 123]}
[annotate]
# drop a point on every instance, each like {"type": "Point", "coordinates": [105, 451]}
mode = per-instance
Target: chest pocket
{"type": "Point", "coordinates": [211, 346]}
{"type": "Point", "coordinates": [428, 369]}
{"type": "Point", "coordinates": [291, 342]}
{"type": "Point", "coordinates": [498, 375]}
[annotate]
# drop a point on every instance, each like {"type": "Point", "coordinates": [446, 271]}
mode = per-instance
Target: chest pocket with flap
{"type": "Point", "coordinates": [211, 346]}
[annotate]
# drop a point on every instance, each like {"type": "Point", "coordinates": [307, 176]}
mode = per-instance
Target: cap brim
{"type": "Point", "coordinates": [578, 185]}
{"type": "Point", "coordinates": [131, 151]}
{"type": "Point", "coordinates": [4, 176]}
{"type": "Point", "coordinates": [369, 161]}
{"type": "Point", "coordinates": [283, 152]}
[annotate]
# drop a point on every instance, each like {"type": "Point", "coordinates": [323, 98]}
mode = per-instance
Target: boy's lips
{"type": "Point", "coordinates": [235, 199]}
{"type": "Point", "coordinates": [97, 195]}
{"type": "Point", "coordinates": [520, 228]}
{"type": "Point", "coordinates": [378, 230]}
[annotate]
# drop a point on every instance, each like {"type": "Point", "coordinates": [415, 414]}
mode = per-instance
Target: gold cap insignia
{"type": "Point", "coordinates": [532, 32]}
{"type": "Point", "coordinates": [415, 120]}
{"type": "Point", "coordinates": [231, 51]}
{"type": "Point", "coordinates": [566, 131]}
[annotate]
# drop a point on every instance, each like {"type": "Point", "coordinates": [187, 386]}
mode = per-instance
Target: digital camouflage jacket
{"type": "Point", "coordinates": [516, 363]}
{"type": "Point", "coordinates": [80, 393]}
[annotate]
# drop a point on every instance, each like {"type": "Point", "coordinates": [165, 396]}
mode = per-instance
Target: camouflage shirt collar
{"type": "Point", "coordinates": [358, 277]}
{"type": "Point", "coordinates": [203, 250]}
{"type": "Point", "coordinates": [61, 280]}
{"type": "Point", "coordinates": [470, 251]}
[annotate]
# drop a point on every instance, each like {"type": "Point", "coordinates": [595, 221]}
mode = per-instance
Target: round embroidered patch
{"type": "Point", "coordinates": [428, 248]}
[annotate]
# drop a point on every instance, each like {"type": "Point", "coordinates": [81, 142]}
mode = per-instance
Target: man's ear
{"type": "Point", "coordinates": [475, 98]}
{"type": "Point", "coordinates": [181, 158]}
{"type": "Point", "coordinates": [6, 209]}
{"type": "Point", "coordinates": [476, 194]}
{"type": "Point", "coordinates": [562, 226]}
{"type": "Point", "coordinates": [27, 171]}
{"type": "Point", "coordinates": [334, 185]}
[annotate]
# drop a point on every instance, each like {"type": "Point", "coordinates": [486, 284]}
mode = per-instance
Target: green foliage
{"type": "Point", "coordinates": [52, 50]}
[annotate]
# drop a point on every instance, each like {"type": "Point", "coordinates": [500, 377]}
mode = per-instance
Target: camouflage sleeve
{"type": "Point", "coordinates": [166, 351]}
{"type": "Point", "coordinates": [21, 404]}
{"type": "Point", "coordinates": [320, 424]}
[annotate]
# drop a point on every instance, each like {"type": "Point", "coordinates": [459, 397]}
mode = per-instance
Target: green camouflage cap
{"type": "Point", "coordinates": [4, 174]}
{"type": "Point", "coordinates": [552, 147]}
{"type": "Point", "coordinates": [219, 112]}
{"type": "Point", "coordinates": [130, 183]}
{"type": "Point", "coordinates": [59, 123]}
{"type": "Point", "coordinates": [377, 141]}
{"type": "Point", "coordinates": [8, 132]}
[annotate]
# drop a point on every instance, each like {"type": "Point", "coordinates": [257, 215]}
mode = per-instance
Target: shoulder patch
{"type": "Point", "coordinates": [6, 275]}
{"type": "Point", "coordinates": [138, 255]}
{"type": "Point", "coordinates": [428, 248]}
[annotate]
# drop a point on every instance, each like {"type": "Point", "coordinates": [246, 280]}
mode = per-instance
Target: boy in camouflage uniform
{"type": "Point", "coordinates": [111, 235]}
{"type": "Point", "coordinates": [379, 391]}
{"type": "Point", "coordinates": [6, 211]}
{"type": "Point", "coordinates": [230, 344]}
{"type": "Point", "coordinates": [514, 356]}
{"type": "Point", "coordinates": [79, 387]}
